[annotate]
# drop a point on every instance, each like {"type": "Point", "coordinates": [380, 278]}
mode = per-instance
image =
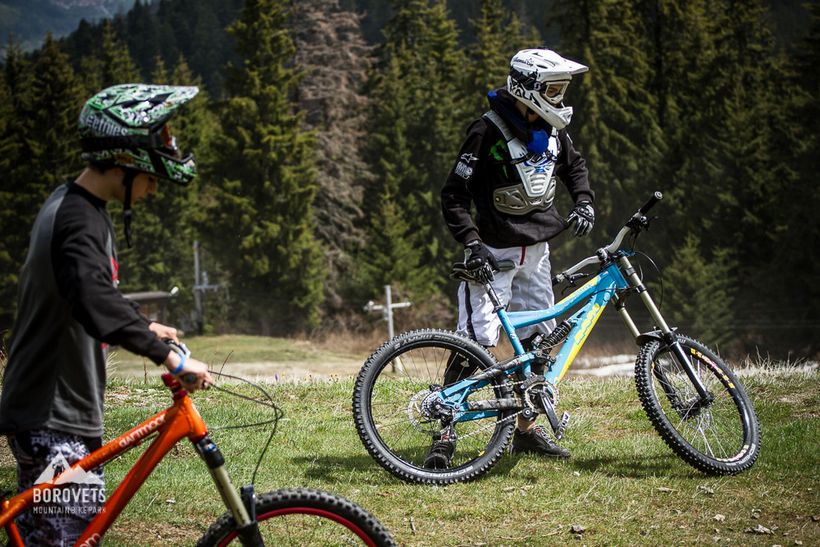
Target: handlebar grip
{"type": "Point", "coordinates": [188, 378]}
{"type": "Point", "coordinates": [656, 197]}
{"type": "Point", "coordinates": [505, 265]}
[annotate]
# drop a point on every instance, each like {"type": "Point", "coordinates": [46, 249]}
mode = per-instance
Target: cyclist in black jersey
{"type": "Point", "coordinates": [51, 406]}
{"type": "Point", "coordinates": [498, 201]}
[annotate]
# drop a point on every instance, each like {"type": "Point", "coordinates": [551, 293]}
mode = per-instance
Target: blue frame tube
{"type": "Point", "coordinates": [599, 290]}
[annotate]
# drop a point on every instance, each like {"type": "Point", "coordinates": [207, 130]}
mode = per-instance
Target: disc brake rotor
{"type": "Point", "coordinates": [420, 412]}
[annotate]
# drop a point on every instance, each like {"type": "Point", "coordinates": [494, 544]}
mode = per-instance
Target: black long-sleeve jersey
{"type": "Point", "coordinates": [68, 304]}
{"type": "Point", "coordinates": [480, 169]}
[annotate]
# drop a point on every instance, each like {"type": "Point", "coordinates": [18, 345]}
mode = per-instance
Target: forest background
{"type": "Point", "coordinates": [325, 129]}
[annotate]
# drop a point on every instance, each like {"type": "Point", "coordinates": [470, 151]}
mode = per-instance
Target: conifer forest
{"type": "Point", "coordinates": [325, 129]}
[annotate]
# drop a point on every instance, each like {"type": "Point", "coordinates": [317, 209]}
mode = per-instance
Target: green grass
{"type": "Point", "coordinates": [622, 484]}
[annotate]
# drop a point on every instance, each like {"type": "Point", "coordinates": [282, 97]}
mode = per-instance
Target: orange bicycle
{"type": "Point", "coordinates": [293, 516]}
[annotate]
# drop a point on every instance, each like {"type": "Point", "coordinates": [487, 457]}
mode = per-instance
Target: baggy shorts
{"type": "Point", "coordinates": [526, 287]}
{"type": "Point", "coordinates": [57, 518]}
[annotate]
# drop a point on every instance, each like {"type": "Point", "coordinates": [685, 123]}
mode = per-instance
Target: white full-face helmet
{"type": "Point", "coordinates": [539, 78]}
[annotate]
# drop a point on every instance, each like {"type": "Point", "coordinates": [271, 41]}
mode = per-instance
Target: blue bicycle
{"type": "Point", "coordinates": [427, 384]}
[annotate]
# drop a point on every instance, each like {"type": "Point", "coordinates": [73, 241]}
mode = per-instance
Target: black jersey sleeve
{"type": "Point", "coordinates": [83, 273]}
{"type": "Point", "coordinates": [572, 170]}
{"type": "Point", "coordinates": [456, 195]}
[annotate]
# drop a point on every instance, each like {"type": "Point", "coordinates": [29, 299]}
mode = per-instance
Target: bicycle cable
{"type": "Point", "coordinates": [660, 275]}
{"type": "Point", "coordinates": [278, 413]}
{"type": "Point", "coordinates": [654, 265]}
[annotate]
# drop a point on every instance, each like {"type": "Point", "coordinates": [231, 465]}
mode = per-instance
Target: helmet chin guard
{"type": "Point", "coordinates": [539, 78]}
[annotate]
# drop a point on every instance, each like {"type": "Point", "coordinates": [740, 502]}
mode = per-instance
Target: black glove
{"type": "Point", "coordinates": [584, 216]}
{"type": "Point", "coordinates": [480, 261]}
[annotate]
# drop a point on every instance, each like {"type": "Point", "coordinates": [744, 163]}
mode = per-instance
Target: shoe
{"type": "Point", "coordinates": [537, 441]}
{"type": "Point", "coordinates": [440, 455]}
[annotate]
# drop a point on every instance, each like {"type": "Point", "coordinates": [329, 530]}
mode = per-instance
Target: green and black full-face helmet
{"type": "Point", "coordinates": [127, 126]}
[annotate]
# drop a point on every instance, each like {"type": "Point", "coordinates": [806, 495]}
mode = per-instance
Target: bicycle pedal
{"type": "Point", "coordinates": [562, 425]}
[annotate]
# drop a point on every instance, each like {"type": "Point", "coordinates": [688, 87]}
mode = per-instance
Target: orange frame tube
{"type": "Point", "coordinates": [173, 424]}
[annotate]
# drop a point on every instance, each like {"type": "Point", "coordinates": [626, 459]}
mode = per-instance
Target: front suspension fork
{"type": "Point", "coordinates": [668, 335]}
{"type": "Point", "coordinates": [241, 505]}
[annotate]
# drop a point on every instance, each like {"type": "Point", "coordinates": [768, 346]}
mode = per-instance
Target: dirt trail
{"type": "Point", "coordinates": [299, 370]}
{"type": "Point", "coordinates": [288, 371]}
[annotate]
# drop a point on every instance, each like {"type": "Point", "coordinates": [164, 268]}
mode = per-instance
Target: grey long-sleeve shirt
{"type": "Point", "coordinates": [68, 304]}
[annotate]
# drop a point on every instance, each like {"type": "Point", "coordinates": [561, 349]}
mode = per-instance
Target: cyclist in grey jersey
{"type": "Point", "coordinates": [51, 406]}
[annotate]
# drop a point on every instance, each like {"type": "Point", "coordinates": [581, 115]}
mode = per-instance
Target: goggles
{"type": "Point", "coordinates": [553, 92]}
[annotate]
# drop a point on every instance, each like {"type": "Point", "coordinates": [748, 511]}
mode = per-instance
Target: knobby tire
{"type": "Point", "coordinates": [382, 407]}
{"type": "Point", "coordinates": [305, 517]}
{"type": "Point", "coordinates": [721, 439]}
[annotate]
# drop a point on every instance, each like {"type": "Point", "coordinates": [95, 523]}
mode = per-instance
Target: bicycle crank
{"type": "Point", "coordinates": [540, 394]}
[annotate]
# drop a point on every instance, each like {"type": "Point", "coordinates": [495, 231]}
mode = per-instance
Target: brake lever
{"type": "Point", "coordinates": [571, 281]}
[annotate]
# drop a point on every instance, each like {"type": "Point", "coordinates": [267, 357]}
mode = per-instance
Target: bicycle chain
{"type": "Point", "coordinates": [508, 418]}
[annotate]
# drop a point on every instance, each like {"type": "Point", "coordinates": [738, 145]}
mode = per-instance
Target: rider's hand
{"type": "Point", "coordinates": [480, 260]}
{"type": "Point", "coordinates": [164, 332]}
{"type": "Point", "coordinates": [584, 216]}
{"type": "Point", "coordinates": [192, 366]}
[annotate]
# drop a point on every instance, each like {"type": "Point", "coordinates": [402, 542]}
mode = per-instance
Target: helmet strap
{"type": "Point", "coordinates": [127, 212]}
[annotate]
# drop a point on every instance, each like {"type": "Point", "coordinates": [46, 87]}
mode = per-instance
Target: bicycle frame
{"type": "Point", "coordinates": [599, 290]}
{"type": "Point", "coordinates": [171, 425]}
{"type": "Point", "coordinates": [616, 274]}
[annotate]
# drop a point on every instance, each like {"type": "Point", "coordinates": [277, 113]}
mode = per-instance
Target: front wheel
{"type": "Point", "coordinates": [720, 437]}
{"type": "Point", "coordinates": [305, 517]}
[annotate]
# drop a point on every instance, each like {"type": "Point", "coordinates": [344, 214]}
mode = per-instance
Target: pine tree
{"type": "Point", "coordinates": [417, 120]}
{"type": "Point", "coordinates": [615, 122]}
{"type": "Point", "coordinates": [702, 289]}
{"type": "Point", "coordinates": [38, 145]}
{"type": "Point", "coordinates": [499, 35]}
{"type": "Point", "coordinates": [159, 75]}
{"type": "Point", "coordinates": [141, 35]}
{"type": "Point", "coordinates": [58, 96]}
{"type": "Point", "coordinates": [335, 60]}
{"type": "Point", "coordinates": [794, 230]}
{"type": "Point", "coordinates": [168, 216]}
{"type": "Point", "coordinates": [116, 64]}
{"type": "Point", "coordinates": [258, 204]}
{"type": "Point", "coordinates": [17, 146]}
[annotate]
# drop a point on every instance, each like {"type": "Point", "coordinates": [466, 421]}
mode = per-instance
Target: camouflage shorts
{"type": "Point", "coordinates": [61, 514]}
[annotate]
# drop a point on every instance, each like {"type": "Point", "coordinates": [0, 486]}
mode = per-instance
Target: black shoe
{"type": "Point", "coordinates": [537, 441]}
{"type": "Point", "coordinates": [440, 455]}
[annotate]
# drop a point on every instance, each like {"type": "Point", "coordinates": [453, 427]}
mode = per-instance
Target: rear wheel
{"type": "Point", "coordinates": [305, 517]}
{"type": "Point", "coordinates": [394, 407]}
{"type": "Point", "coordinates": [719, 438]}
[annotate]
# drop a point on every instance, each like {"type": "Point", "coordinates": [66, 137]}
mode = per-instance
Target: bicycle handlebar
{"type": "Point", "coordinates": [634, 223]}
{"type": "Point", "coordinates": [656, 197]}
{"type": "Point", "coordinates": [183, 351]}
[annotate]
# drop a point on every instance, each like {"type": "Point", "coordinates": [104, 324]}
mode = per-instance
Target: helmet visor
{"type": "Point", "coordinates": [553, 92]}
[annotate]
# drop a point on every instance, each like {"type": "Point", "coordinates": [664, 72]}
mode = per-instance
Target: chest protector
{"type": "Point", "coordinates": [536, 189]}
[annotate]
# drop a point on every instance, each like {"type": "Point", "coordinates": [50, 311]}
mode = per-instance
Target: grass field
{"type": "Point", "coordinates": [622, 485]}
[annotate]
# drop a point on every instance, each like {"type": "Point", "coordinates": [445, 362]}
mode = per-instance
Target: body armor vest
{"type": "Point", "coordinates": [536, 189]}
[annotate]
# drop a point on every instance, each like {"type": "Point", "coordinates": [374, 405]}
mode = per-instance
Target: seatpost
{"type": "Point", "coordinates": [497, 305]}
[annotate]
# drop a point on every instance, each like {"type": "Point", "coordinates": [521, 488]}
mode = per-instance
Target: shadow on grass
{"type": "Point", "coordinates": [338, 468]}
{"type": "Point", "coordinates": [667, 465]}
{"type": "Point", "coordinates": [334, 469]}
{"type": "Point", "coordinates": [327, 468]}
